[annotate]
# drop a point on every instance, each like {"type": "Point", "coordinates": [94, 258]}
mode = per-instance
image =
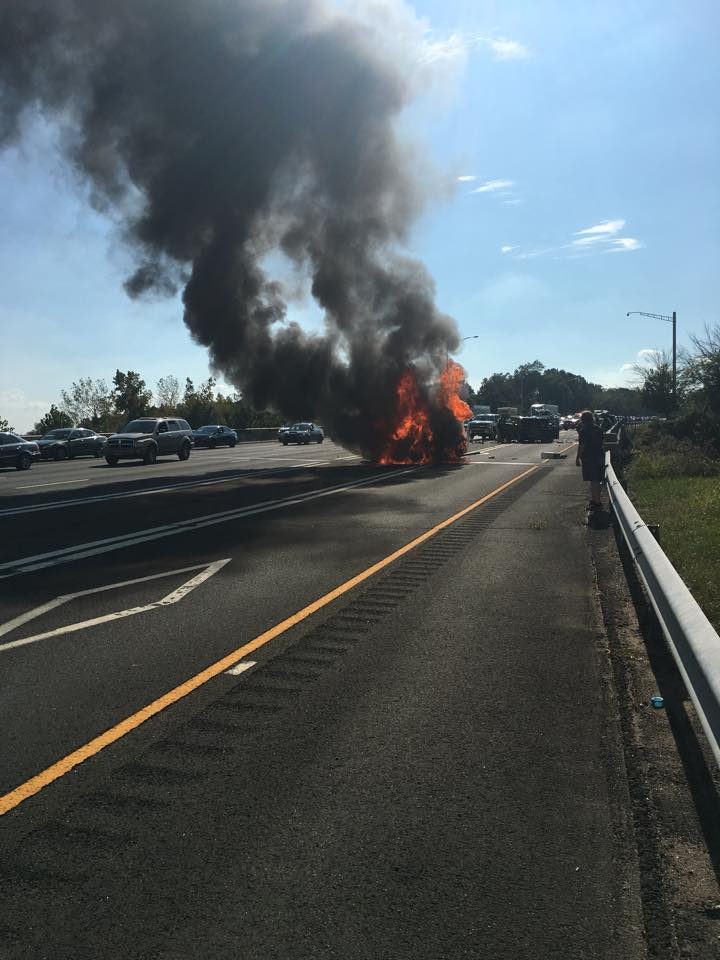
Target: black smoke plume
{"type": "Point", "coordinates": [216, 130]}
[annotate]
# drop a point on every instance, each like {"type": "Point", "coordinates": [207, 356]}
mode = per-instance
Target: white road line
{"type": "Point", "coordinates": [94, 548]}
{"type": "Point", "coordinates": [355, 456]}
{"type": "Point", "coordinates": [476, 450]}
{"type": "Point", "coordinates": [268, 458]}
{"type": "Point", "coordinates": [240, 668]}
{"type": "Point", "coordinates": [150, 491]}
{"type": "Point", "coordinates": [504, 463]}
{"type": "Point", "coordinates": [56, 483]}
{"type": "Point", "coordinates": [176, 595]}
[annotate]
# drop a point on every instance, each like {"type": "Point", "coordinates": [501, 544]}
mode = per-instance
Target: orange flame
{"type": "Point", "coordinates": [413, 439]}
{"type": "Point", "coordinates": [451, 380]}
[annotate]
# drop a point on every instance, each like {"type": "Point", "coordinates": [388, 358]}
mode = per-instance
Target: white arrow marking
{"type": "Point", "coordinates": [208, 570]}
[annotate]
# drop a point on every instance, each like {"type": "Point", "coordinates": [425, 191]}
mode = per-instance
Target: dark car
{"type": "Point", "coordinates": [527, 429]}
{"type": "Point", "coordinates": [64, 443]}
{"type": "Point", "coordinates": [214, 436]}
{"type": "Point", "coordinates": [16, 452]}
{"type": "Point", "coordinates": [148, 438]}
{"type": "Point", "coordinates": [303, 433]}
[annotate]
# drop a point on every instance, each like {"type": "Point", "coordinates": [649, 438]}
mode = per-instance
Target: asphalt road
{"type": "Point", "coordinates": [420, 762]}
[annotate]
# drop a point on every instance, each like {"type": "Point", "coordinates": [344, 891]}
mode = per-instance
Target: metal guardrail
{"type": "Point", "coordinates": [244, 433]}
{"type": "Point", "coordinates": [692, 639]}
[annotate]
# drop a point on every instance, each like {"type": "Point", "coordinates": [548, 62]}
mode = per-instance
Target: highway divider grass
{"type": "Point", "coordinates": [676, 485]}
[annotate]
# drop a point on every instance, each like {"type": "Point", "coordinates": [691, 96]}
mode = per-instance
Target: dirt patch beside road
{"type": "Point", "coordinates": [674, 784]}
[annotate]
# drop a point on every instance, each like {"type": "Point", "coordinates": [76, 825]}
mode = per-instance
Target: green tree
{"type": "Point", "coordinates": [624, 401]}
{"type": "Point", "coordinates": [701, 370]}
{"type": "Point", "coordinates": [167, 395]}
{"type": "Point", "coordinates": [657, 383]}
{"type": "Point", "coordinates": [88, 403]}
{"type": "Point", "coordinates": [497, 390]}
{"type": "Point", "coordinates": [467, 393]}
{"type": "Point", "coordinates": [199, 406]}
{"type": "Point", "coordinates": [53, 419]}
{"type": "Point", "coordinates": [528, 379]}
{"type": "Point", "coordinates": [5, 426]}
{"type": "Point", "coordinates": [569, 391]}
{"type": "Point", "coordinates": [130, 395]}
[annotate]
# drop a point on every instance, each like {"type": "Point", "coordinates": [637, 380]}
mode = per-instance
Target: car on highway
{"type": "Point", "coordinates": [214, 435]}
{"type": "Point", "coordinates": [303, 432]}
{"type": "Point", "coordinates": [148, 438]}
{"type": "Point", "coordinates": [16, 452]}
{"type": "Point", "coordinates": [484, 426]}
{"type": "Point", "coordinates": [283, 430]}
{"type": "Point", "coordinates": [64, 443]}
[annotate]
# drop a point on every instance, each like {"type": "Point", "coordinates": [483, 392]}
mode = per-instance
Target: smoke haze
{"type": "Point", "coordinates": [216, 130]}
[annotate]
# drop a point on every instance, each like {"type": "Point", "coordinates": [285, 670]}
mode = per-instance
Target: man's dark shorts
{"type": "Point", "coordinates": [593, 470]}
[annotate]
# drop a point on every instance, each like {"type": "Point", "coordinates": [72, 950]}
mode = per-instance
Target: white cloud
{"type": "Point", "coordinates": [600, 238]}
{"type": "Point", "coordinates": [20, 410]}
{"type": "Point", "coordinates": [609, 244]}
{"type": "Point", "coordinates": [646, 355]}
{"type": "Point", "coordinates": [458, 44]}
{"type": "Point", "coordinates": [452, 47]}
{"type": "Point", "coordinates": [511, 203]}
{"type": "Point", "coordinates": [587, 241]}
{"type": "Point", "coordinates": [507, 49]}
{"type": "Point", "coordinates": [609, 378]}
{"type": "Point", "coordinates": [618, 244]}
{"type": "Point", "coordinates": [603, 228]}
{"type": "Point", "coordinates": [467, 178]}
{"type": "Point", "coordinates": [506, 248]}
{"type": "Point", "coordinates": [490, 185]}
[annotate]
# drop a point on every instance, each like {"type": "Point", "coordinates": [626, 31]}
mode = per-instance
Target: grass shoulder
{"type": "Point", "coordinates": [679, 489]}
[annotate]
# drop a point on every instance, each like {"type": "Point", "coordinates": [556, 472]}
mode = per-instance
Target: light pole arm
{"type": "Point", "coordinates": [673, 321]}
{"type": "Point", "coordinates": [655, 316]}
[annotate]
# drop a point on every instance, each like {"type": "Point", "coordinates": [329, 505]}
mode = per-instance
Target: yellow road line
{"type": "Point", "coordinates": [43, 779]}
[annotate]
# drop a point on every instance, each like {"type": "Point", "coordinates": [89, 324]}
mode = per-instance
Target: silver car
{"type": "Point", "coordinates": [149, 438]}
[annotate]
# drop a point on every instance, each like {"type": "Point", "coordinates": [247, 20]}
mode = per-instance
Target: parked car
{"type": "Point", "coordinates": [64, 443]}
{"type": "Point", "coordinates": [214, 436]}
{"type": "Point", "coordinates": [148, 438]}
{"type": "Point", "coordinates": [303, 433]}
{"type": "Point", "coordinates": [16, 452]}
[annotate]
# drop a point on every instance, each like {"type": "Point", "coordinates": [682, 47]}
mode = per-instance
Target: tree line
{"type": "Point", "coordinates": [698, 385]}
{"type": "Point", "coordinates": [92, 403]}
{"type": "Point", "coordinates": [535, 383]}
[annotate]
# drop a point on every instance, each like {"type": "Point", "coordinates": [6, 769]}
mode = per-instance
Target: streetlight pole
{"type": "Point", "coordinates": [474, 336]}
{"type": "Point", "coordinates": [673, 321]}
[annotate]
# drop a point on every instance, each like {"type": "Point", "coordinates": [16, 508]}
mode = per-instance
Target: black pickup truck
{"type": "Point", "coordinates": [528, 429]}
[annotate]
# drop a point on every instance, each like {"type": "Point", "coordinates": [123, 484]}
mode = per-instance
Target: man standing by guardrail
{"type": "Point", "coordinates": [590, 457]}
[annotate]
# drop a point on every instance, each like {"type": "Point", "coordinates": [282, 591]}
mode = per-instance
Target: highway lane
{"type": "Point", "coordinates": [279, 561]}
{"type": "Point", "coordinates": [50, 481]}
{"type": "Point", "coordinates": [423, 768]}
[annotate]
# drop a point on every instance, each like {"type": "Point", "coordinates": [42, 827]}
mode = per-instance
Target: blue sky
{"type": "Point", "coordinates": [575, 150]}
